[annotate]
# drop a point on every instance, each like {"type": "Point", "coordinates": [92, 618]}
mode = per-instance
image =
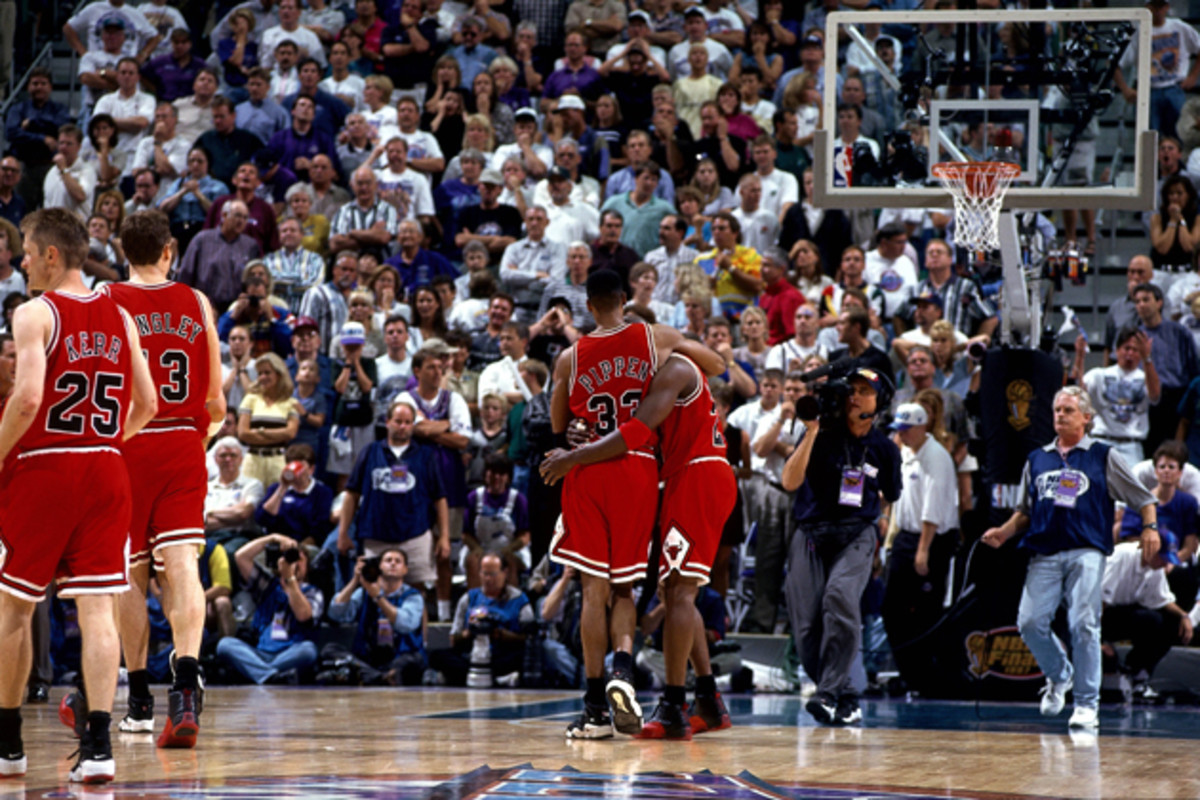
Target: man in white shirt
{"type": "Point", "coordinates": [789, 356]}
{"type": "Point", "coordinates": [343, 84]}
{"type": "Point", "coordinates": [289, 28]}
{"type": "Point", "coordinates": [70, 183]}
{"type": "Point", "coordinates": [164, 151]}
{"type": "Point", "coordinates": [130, 107]}
{"type": "Point", "coordinates": [231, 499]}
{"type": "Point", "coordinates": [424, 152]}
{"type": "Point", "coordinates": [584, 188]}
{"type": "Point", "coordinates": [393, 368]}
{"type": "Point", "coordinates": [406, 189]}
{"type": "Point", "coordinates": [849, 125]}
{"type": "Point", "coordinates": [695, 27]}
{"type": "Point", "coordinates": [780, 190]}
{"type": "Point", "coordinates": [294, 269]}
{"type": "Point", "coordinates": [772, 439]}
{"type": "Point", "coordinates": [536, 157]}
{"type": "Point", "coordinates": [285, 78]}
{"type": "Point", "coordinates": [528, 263]}
{"type": "Point", "coordinates": [890, 271]}
{"type": "Point", "coordinates": [503, 377]}
{"type": "Point", "coordinates": [84, 31]}
{"type": "Point", "coordinates": [927, 310]}
{"type": "Point", "coordinates": [672, 253]}
{"type": "Point", "coordinates": [1122, 394]}
{"type": "Point", "coordinates": [760, 227]}
{"type": "Point", "coordinates": [927, 516]}
{"type": "Point", "coordinates": [570, 220]}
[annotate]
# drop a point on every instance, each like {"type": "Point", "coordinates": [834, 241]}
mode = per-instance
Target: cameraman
{"type": "Point", "coordinates": [496, 611]}
{"type": "Point", "coordinates": [286, 614]}
{"type": "Point", "coordinates": [843, 471]}
{"type": "Point", "coordinates": [253, 311]}
{"type": "Point", "coordinates": [388, 647]}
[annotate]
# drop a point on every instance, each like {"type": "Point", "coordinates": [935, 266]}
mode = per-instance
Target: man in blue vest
{"type": "Point", "coordinates": [388, 647]}
{"type": "Point", "coordinates": [1065, 511]}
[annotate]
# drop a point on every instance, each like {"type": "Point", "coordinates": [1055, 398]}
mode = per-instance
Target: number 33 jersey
{"type": "Point", "coordinates": [170, 321]}
{"type": "Point", "coordinates": [611, 372]}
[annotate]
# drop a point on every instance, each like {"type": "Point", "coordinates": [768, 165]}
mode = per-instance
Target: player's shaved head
{"type": "Point", "coordinates": [144, 234]}
{"type": "Point", "coordinates": [60, 229]}
{"type": "Point", "coordinates": [605, 290]}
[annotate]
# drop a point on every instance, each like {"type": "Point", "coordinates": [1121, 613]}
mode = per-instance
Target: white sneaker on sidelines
{"type": "Point", "coordinates": [1054, 697]}
{"type": "Point", "coordinates": [1085, 718]}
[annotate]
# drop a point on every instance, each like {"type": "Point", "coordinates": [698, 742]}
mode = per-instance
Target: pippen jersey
{"type": "Point", "coordinates": [610, 372]}
{"type": "Point", "coordinates": [170, 322]}
{"type": "Point", "coordinates": [692, 431]}
{"type": "Point", "coordinates": [89, 376]}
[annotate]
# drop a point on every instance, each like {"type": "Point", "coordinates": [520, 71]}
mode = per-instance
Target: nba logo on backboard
{"type": "Point", "coordinates": [843, 166]}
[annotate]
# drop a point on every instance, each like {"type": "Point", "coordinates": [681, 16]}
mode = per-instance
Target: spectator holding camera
{"type": "Point", "coordinates": [286, 613]}
{"type": "Point", "coordinates": [844, 471]}
{"type": "Point", "coordinates": [388, 647]}
{"type": "Point", "coordinates": [495, 612]}
{"type": "Point", "coordinates": [253, 311]}
{"type": "Point", "coordinates": [297, 505]}
{"type": "Point", "coordinates": [496, 518]}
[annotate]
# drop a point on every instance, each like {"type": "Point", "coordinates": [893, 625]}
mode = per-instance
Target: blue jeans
{"type": "Point", "coordinates": [1078, 575]}
{"type": "Point", "coordinates": [261, 667]}
{"type": "Point", "coordinates": [1165, 105]}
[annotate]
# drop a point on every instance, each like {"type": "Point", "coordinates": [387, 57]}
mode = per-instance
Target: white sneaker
{"type": "Point", "coordinates": [12, 766]}
{"type": "Point", "coordinates": [1086, 718]}
{"type": "Point", "coordinates": [1054, 697]}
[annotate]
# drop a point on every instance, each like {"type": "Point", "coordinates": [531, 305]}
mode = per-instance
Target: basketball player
{"type": "Point", "coordinates": [608, 509]}
{"type": "Point", "coordinates": [82, 388]}
{"type": "Point", "coordinates": [698, 497]}
{"type": "Point", "coordinates": [168, 473]}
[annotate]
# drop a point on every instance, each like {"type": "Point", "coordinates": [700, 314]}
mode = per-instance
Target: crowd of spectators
{"type": "Point", "coordinates": [394, 207]}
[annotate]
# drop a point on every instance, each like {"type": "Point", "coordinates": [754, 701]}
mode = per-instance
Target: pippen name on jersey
{"type": "Point", "coordinates": [601, 373]}
{"type": "Point", "coordinates": [161, 323]}
{"type": "Point", "coordinates": [92, 345]}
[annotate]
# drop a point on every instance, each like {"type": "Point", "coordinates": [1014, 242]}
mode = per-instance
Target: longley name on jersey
{"type": "Point", "coordinates": [188, 328]}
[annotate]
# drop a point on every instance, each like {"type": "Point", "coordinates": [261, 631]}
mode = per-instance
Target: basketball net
{"type": "Point", "coordinates": [978, 189]}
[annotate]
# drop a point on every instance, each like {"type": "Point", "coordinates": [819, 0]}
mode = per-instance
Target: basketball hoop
{"type": "Point", "coordinates": [978, 189]}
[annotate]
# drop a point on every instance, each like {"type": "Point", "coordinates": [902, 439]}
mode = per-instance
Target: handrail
{"type": "Point", "coordinates": [15, 89]}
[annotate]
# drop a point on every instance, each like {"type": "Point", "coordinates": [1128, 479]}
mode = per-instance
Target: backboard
{"type": "Point", "coordinates": [983, 85]}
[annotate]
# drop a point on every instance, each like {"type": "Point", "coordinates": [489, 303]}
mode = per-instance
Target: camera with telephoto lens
{"type": "Point", "coordinates": [371, 569]}
{"type": "Point", "coordinates": [273, 552]}
{"type": "Point", "coordinates": [826, 400]}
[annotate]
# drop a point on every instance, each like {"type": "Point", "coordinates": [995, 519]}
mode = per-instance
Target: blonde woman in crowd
{"type": "Point", "coordinates": [268, 419]}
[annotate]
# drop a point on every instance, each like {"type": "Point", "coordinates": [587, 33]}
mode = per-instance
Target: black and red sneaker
{"type": "Point", "coordinates": [73, 712]}
{"type": "Point", "coordinates": [183, 720]}
{"type": "Point", "coordinates": [669, 721]}
{"type": "Point", "coordinates": [709, 714]}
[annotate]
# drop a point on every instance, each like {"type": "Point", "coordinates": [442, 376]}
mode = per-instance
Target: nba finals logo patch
{"type": "Point", "coordinates": [1000, 653]}
{"type": "Point", "coordinates": [1019, 395]}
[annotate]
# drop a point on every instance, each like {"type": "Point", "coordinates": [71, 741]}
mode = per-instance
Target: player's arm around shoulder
{"type": "Point", "coordinates": [215, 399]}
{"type": "Point", "coordinates": [32, 325]}
{"type": "Point", "coordinates": [144, 398]}
{"type": "Point", "coordinates": [667, 340]}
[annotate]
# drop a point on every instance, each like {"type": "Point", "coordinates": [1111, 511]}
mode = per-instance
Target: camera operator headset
{"type": "Point", "coordinates": [844, 472]}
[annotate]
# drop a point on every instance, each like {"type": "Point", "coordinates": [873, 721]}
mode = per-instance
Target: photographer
{"type": "Point", "coordinates": [286, 614]}
{"type": "Point", "coordinates": [495, 611]}
{"type": "Point", "coordinates": [843, 471]}
{"type": "Point", "coordinates": [388, 647]}
{"type": "Point", "coordinates": [253, 311]}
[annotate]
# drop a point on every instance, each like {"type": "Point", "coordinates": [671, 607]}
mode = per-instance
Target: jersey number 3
{"type": "Point", "coordinates": [604, 406]}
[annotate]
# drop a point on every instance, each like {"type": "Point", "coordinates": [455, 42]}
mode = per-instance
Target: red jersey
{"type": "Point", "coordinates": [89, 376]}
{"type": "Point", "coordinates": [610, 372]}
{"type": "Point", "coordinates": [170, 322]}
{"type": "Point", "coordinates": [692, 431]}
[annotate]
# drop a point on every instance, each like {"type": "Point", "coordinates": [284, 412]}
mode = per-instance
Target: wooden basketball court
{"type": "Point", "coordinates": [402, 743]}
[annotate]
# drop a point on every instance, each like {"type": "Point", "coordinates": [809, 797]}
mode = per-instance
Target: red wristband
{"type": "Point", "coordinates": [636, 434]}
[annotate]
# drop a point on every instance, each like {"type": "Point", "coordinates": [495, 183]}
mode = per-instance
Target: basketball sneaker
{"type": "Point", "coordinates": [822, 708]}
{"type": "Point", "coordinates": [140, 717]}
{"type": "Point", "coordinates": [709, 714]}
{"type": "Point", "coordinates": [12, 759]}
{"type": "Point", "coordinates": [73, 711]}
{"type": "Point", "coordinates": [182, 719]}
{"type": "Point", "coordinates": [848, 712]}
{"type": "Point", "coordinates": [1085, 718]}
{"type": "Point", "coordinates": [95, 764]}
{"type": "Point", "coordinates": [1054, 697]}
{"type": "Point", "coordinates": [199, 688]}
{"type": "Point", "coordinates": [622, 701]}
{"type": "Point", "coordinates": [594, 722]}
{"type": "Point", "coordinates": [669, 721]}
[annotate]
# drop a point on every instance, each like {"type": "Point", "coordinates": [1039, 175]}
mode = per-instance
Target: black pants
{"type": "Point", "coordinates": [1164, 421]}
{"type": "Point", "coordinates": [406, 669]}
{"type": "Point", "coordinates": [1153, 633]}
{"type": "Point", "coordinates": [454, 664]}
{"type": "Point", "coordinates": [913, 603]}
